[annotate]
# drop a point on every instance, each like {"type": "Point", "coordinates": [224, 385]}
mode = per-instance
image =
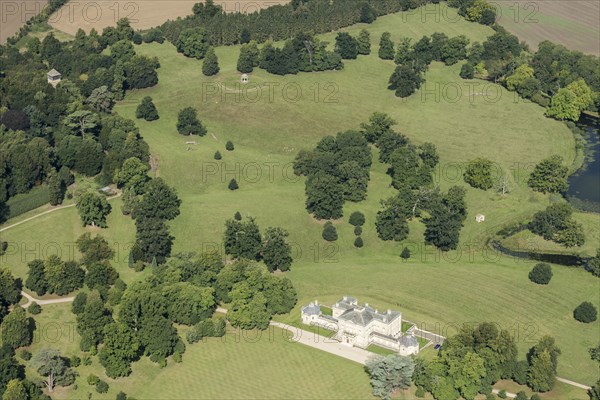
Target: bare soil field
{"type": "Point", "coordinates": [142, 14]}
{"type": "Point", "coordinates": [572, 23]}
{"type": "Point", "coordinates": [14, 14]}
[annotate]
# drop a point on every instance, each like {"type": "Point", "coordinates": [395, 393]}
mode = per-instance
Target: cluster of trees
{"type": "Point", "coordinates": [47, 131]}
{"type": "Point", "coordinates": [411, 169]}
{"type": "Point", "coordinates": [565, 81]}
{"type": "Point", "coordinates": [254, 294]}
{"type": "Point", "coordinates": [55, 276]}
{"type": "Point", "coordinates": [212, 26]}
{"type": "Point", "coordinates": [557, 224]}
{"type": "Point", "coordinates": [243, 240]}
{"type": "Point", "coordinates": [414, 59]}
{"type": "Point", "coordinates": [336, 170]}
{"type": "Point", "coordinates": [477, 357]}
{"type": "Point", "coordinates": [475, 10]}
{"type": "Point", "coordinates": [184, 290]}
{"type": "Point", "coordinates": [48, 363]}
{"type": "Point", "coordinates": [16, 330]}
{"type": "Point", "coordinates": [10, 292]}
{"type": "Point", "coordinates": [303, 52]}
{"type": "Point", "coordinates": [151, 203]}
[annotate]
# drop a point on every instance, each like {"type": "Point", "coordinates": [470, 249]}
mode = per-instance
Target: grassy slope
{"type": "Point", "coordinates": [464, 286]}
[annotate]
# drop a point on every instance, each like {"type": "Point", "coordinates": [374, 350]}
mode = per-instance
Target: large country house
{"type": "Point", "coordinates": [361, 326]}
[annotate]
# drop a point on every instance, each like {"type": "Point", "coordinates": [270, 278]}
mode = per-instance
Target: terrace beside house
{"type": "Point", "coordinates": [361, 326]}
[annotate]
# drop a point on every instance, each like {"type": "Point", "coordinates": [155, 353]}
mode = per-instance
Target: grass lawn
{"type": "Point", "coordinates": [438, 291]}
{"type": "Point", "coordinates": [326, 310]}
{"type": "Point", "coordinates": [382, 351]}
{"type": "Point", "coordinates": [244, 365]}
{"type": "Point", "coordinates": [526, 240]}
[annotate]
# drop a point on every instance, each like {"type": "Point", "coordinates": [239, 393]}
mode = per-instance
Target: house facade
{"type": "Point", "coordinates": [362, 325]}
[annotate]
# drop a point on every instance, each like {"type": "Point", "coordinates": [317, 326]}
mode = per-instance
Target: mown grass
{"type": "Point", "coordinates": [243, 364]}
{"type": "Point", "coordinates": [527, 240]}
{"type": "Point", "coordinates": [438, 291]}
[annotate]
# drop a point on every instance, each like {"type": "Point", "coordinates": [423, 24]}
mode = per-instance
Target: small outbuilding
{"type": "Point", "coordinates": [54, 77]}
{"type": "Point", "coordinates": [245, 78]}
{"type": "Point", "coordinates": [480, 218]}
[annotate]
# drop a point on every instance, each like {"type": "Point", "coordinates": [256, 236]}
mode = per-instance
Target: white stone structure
{"type": "Point", "coordinates": [245, 78]}
{"type": "Point", "coordinates": [361, 326]}
{"type": "Point", "coordinates": [480, 218]}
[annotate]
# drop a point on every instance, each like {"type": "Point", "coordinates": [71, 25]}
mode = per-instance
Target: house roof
{"type": "Point", "coordinates": [408, 341]}
{"type": "Point", "coordinates": [311, 309]}
{"type": "Point", "coordinates": [364, 315]}
{"type": "Point", "coordinates": [53, 73]}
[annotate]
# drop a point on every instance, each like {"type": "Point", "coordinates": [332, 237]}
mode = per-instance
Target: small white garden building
{"type": "Point", "coordinates": [480, 218]}
{"type": "Point", "coordinates": [245, 78]}
{"type": "Point", "coordinates": [54, 77]}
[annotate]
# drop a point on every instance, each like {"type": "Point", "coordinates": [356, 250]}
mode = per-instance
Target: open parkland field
{"type": "Point", "coordinates": [465, 119]}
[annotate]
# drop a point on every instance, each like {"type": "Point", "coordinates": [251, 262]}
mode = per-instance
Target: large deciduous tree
{"type": "Point", "coordinates": [189, 124]}
{"type": "Point", "coordinates": [93, 209]}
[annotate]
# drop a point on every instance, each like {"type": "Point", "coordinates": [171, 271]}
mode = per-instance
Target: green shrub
{"type": "Point", "coordinates": [101, 387]}
{"type": "Point", "coordinates": [34, 308]}
{"type": "Point", "coordinates": [218, 155]}
{"type": "Point", "coordinates": [139, 266]}
{"type": "Point", "coordinates": [420, 392]}
{"type": "Point", "coordinates": [229, 145]}
{"type": "Point", "coordinates": [358, 230]}
{"type": "Point", "coordinates": [541, 274]}
{"type": "Point", "coordinates": [233, 185]}
{"type": "Point", "coordinates": [121, 396]}
{"type": "Point", "coordinates": [535, 396]}
{"type": "Point", "coordinates": [358, 242]}
{"type": "Point", "coordinates": [92, 379]}
{"type": "Point", "coordinates": [521, 396]}
{"type": "Point", "coordinates": [74, 361]}
{"type": "Point", "coordinates": [585, 312]}
{"type": "Point", "coordinates": [502, 394]}
{"type": "Point", "coordinates": [25, 355]}
{"type": "Point", "coordinates": [329, 232]}
{"type": "Point", "coordinates": [357, 218]}
{"type": "Point", "coordinates": [405, 253]}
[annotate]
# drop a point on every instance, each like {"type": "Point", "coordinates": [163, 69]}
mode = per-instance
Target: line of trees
{"type": "Point", "coordinates": [414, 59]}
{"type": "Point", "coordinates": [304, 52]}
{"type": "Point", "coordinates": [278, 22]}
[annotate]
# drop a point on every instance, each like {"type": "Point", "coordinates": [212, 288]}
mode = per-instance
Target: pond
{"type": "Point", "coordinates": [584, 185]}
